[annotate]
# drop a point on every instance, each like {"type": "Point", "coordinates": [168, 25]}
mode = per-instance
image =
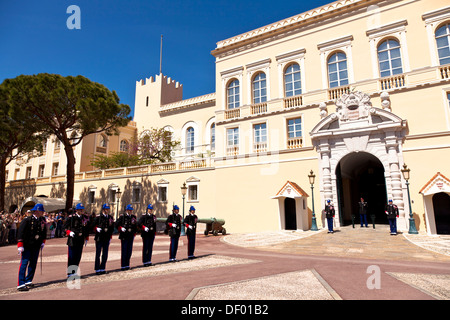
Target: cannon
{"type": "Point", "coordinates": [213, 225]}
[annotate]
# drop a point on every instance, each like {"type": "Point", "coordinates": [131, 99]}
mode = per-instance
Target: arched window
{"type": "Point", "coordinates": [337, 70]}
{"type": "Point", "coordinates": [102, 141]}
{"type": "Point", "coordinates": [259, 88]}
{"type": "Point", "coordinates": [233, 99]}
{"type": "Point", "coordinates": [213, 137]}
{"type": "Point", "coordinates": [389, 58]}
{"type": "Point", "coordinates": [443, 43]}
{"type": "Point", "coordinates": [190, 140]}
{"type": "Point", "coordinates": [124, 146]}
{"type": "Point", "coordinates": [292, 81]}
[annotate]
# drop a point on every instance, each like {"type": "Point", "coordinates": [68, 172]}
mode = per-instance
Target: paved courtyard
{"type": "Point", "coordinates": [351, 264]}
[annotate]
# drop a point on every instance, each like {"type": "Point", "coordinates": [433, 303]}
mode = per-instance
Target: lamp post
{"type": "Point", "coordinates": [412, 223]}
{"type": "Point", "coordinates": [118, 194]}
{"type": "Point", "coordinates": [312, 177]}
{"type": "Point", "coordinates": [183, 193]}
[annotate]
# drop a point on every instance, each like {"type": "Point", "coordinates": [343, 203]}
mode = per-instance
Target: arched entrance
{"type": "Point", "coordinates": [361, 174]}
{"type": "Point", "coordinates": [290, 215]}
{"type": "Point", "coordinates": [441, 204]}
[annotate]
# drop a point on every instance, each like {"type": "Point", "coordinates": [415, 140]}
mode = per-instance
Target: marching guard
{"type": "Point", "coordinates": [127, 226]}
{"type": "Point", "coordinates": [104, 228]}
{"type": "Point", "coordinates": [392, 215]}
{"type": "Point", "coordinates": [191, 227]}
{"type": "Point", "coordinates": [329, 214]}
{"type": "Point", "coordinates": [31, 239]}
{"type": "Point", "coordinates": [147, 223]}
{"type": "Point", "coordinates": [77, 230]}
{"type": "Point", "coordinates": [173, 224]}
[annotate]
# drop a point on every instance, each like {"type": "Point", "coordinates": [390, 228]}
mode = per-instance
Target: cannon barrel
{"type": "Point", "coordinates": [213, 225]}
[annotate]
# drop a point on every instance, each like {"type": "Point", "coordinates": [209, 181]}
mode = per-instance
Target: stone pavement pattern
{"type": "Point", "coordinates": [291, 265]}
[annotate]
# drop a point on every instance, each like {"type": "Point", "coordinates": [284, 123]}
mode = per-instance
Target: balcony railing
{"type": "Point", "coordinates": [393, 82]}
{"type": "Point", "coordinates": [259, 108]}
{"type": "Point", "coordinates": [232, 114]}
{"type": "Point", "coordinates": [295, 101]}
{"type": "Point", "coordinates": [260, 147]}
{"type": "Point", "coordinates": [444, 71]}
{"type": "Point", "coordinates": [336, 93]}
{"type": "Point", "coordinates": [232, 151]}
{"type": "Point", "coordinates": [294, 143]}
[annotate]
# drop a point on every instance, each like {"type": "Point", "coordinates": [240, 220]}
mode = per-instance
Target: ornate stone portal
{"type": "Point", "coordinates": [355, 127]}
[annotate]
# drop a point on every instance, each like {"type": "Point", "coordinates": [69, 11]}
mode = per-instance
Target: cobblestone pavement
{"type": "Point", "coordinates": [290, 265]}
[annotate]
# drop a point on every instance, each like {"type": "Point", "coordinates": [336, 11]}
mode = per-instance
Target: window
{"type": "Point", "coordinates": [124, 146]}
{"type": "Point", "coordinates": [292, 81]}
{"type": "Point", "coordinates": [233, 99]}
{"type": "Point", "coordinates": [213, 137]}
{"type": "Point", "coordinates": [162, 193]}
{"type": "Point", "coordinates": [260, 137]}
{"type": "Point", "coordinates": [55, 169]}
{"type": "Point", "coordinates": [259, 88]}
{"type": "Point", "coordinates": [91, 196]}
{"type": "Point", "coordinates": [41, 171]}
{"type": "Point", "coordinates": [443, 43]}
{"type": "Point", "coordinates": [190, 140]}
{"type": "Point", "coordinates": [136, 196]}
{"type": "Point", "coordinates": [193, 192]}
{"type": "Point", "coordinates": [389, 58]}
{"type": "Point", "coordinates": [28, 173]}
{"type": "Point", "coordinates": [232, 141]}
{"type": "Point", "coordinates": [294, 128]}
{"type": "Point", "coordinates": [337, 70]}
{"type": "Point", "coordinates": [294, 133]}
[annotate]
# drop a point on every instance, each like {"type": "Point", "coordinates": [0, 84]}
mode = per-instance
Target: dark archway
{"type": "Point", "coordinates": [361, 174]}
{"type": "Point", "coordinates": [290, 215]}
{"type": "Point", "coordinates": [441, 205]}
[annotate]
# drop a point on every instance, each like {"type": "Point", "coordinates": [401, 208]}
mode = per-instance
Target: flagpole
{"type": "Point", "coordinates": [160, 56]}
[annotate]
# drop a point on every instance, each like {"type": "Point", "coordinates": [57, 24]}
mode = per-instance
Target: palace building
{"type": "Point", "coordinates": [355, 91]}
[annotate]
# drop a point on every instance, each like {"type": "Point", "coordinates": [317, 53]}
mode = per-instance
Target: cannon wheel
{"type": "Point", "coordinates": [215, 232]}
{"type": "Point", "coordinates": [224, 231]}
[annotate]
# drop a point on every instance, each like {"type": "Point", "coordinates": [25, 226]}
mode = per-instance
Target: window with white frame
{"type": "Point", "coordinates": [389, 58]}
{"type": "Point", "coordinates": [443, 43]}
{"type": "Point", "coordinates": [294, 133]}
{"type": "Point", "coordinates": [232, 141]}
{"type": "Point", "coordinates": [55, 169]}
{"type": "Point", "coordinates": [292, 80]}
{"type": "Point", "coordinates": [193, 187]}
{"type": "Point", "coordinates": [337, 70]}
{"type": "Point", "coordinates": [124, 146]}
{"type": "Point", "coordinates": [91, 194]}
{"type": "Point", "coordinates": [260, 137]}
{"type": "Point", "coordinates": [136, 193]}
{"type": "Point", "coordinates": [163, 188]}
{"type": "Point", "coordinates": [259, 88]}
{"type": "Point", "coordinates": [41, 170]}
{"type": "Point", "coordinates": [190, 140]}
{"type": "Point", "coordinates": [28, 173]}
{"type": "Point", "coordinates": [233, 98]}
{"type": "Point", "coordinates": [213, 137]}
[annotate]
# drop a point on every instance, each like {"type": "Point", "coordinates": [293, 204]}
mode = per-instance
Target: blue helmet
{"type": "Point", "coordinates": [38, 207]}
{"type": "Point", "coordinates": [129, 207]}
{"type": "Point", "coordinates": [150, 207]}
{"type": "Point", "coordinates": [105, 206]}
{"type": "Point", "coordinates": [175, 207]}
{"type": "Point", "coordinates": [192, 208]}
{"type": "Point", "coordinates": [79, 206]}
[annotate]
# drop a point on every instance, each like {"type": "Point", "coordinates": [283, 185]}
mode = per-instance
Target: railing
{"type": "Point", "coordinates": [259, 108]}
{"type": "Point", "coordinates": [393, 82]}
{"type": "Point", "coordinates": [194, 164]}
{"type": "Point", "coordinates": [293, 101]}
{"type": "Point", "coordinates": [162, 167]}
{"type": "Point", "coordinates": [336, 93]}
{"type": "Point", "coordinates": [294, 143]}
{"type": "Point", "coordinates": [445, 72]}
{"type": "Point", "coordinates": [232, 114]}
{"type": "Point", "coordinates": [260, 147]}
{"type": "Point", "coordinates": [232, 151]}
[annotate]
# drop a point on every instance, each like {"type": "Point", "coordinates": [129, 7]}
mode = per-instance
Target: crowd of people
{"type": "Point", "coordinates": [10, 222]}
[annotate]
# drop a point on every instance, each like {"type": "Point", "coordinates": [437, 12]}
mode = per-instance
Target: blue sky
{"type": "Point", "coordinates": [119, 41]}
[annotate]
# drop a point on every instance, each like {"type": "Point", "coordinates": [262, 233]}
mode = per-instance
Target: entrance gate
{"type": "Point", "coordinates": [360, 154]}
